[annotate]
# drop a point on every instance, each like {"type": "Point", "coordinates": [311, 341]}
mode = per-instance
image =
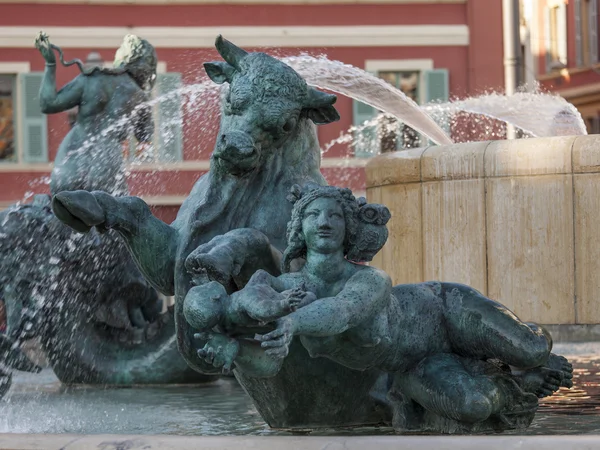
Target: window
{"type": "Point", "coordinates": [553, 47]}
{"type": "Point", "coordinates": [593, 124]}
{"type": "Point", "coordinates": [395, 136]}
{"type": "Point", "coordinates": [415, 78]}
{"type": "Point", "coordinates": [556, 35]}
{"type": "Point", "coordinates": [8, 151]}
{"type": "Point", "coordinates": [586, 32]}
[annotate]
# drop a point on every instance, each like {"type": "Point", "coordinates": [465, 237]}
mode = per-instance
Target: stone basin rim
{"type": "Point", "coordinates": [486, 159]}
{"type": "Point", "coordinates": [167, 442]}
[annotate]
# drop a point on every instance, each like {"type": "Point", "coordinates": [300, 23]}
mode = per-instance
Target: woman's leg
{"type": "Point", "coordinates": [442, 385]}
{"type": "Point", "coordinates": [482, 328]}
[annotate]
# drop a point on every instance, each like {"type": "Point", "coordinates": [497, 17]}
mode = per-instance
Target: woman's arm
{"type": "Point", "coordinates": [50, 100]}
{"type": "Point", "coordinates": [363, 296]}
{"type": "Point", "coordinates": [68, 97]}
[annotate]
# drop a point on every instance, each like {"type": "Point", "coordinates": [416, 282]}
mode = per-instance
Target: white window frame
{"type": "Point", "coordinates": [562, 32]}
{"type": "Point", "coordinates": [403, 65]}
{"type": "Point", "coordinates": [16, 69]}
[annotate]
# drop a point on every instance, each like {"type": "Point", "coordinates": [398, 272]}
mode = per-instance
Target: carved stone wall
{"type": "Point", "coordinates": [518, 220]}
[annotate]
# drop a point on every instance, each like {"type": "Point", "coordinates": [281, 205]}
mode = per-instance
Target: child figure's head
{"type": "Point", "coordinates": [202, 307]}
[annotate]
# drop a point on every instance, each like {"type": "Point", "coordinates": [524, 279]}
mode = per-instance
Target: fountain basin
{"type": "Point", "coordinates": [515, 219]}
{"type": "Point", "coordinates": [40, 413]}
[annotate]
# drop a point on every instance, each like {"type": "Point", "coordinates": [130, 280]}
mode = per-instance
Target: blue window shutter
{"type": "Point", "coordinates": [34, 125]}
{"type": "Point", "coordinates": [438, 90]}
{"type": "Point", "coordinates": [436, 82]}
{"type": "Point", "coordinates": [169, 141]}
{"type": "Point", "coordinates": [366, 142]}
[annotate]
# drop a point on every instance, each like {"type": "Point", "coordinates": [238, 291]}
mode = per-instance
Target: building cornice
{"type": "Point", "coordinates": [259, 36]}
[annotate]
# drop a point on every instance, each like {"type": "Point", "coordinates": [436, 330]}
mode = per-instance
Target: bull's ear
{"type": "Point", "coordinates": [324, 115]}
{"type": "Point", "coordinates": [319, 107]}
{"type": "Point", "coordinates": [219, 71]}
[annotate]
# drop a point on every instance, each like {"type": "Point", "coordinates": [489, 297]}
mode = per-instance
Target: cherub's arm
{"type": "Point", "coordinates": [266, 298]}
{"type": "Point", "coordinates": [278, 284]}
{"type": "Point", "coordinates": [244, 355]}
{"type": "Point", "coordinates": [233, 310]}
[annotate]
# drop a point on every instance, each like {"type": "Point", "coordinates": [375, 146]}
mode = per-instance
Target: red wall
{"type": "Point", "coordinates": [486, 48]}
{"type": "Point", "coordinates": [472, 68]}
{"type": "Point", "coordinates": [32, 14]}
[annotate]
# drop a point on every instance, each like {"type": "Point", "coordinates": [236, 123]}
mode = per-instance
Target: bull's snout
{"type": "Point", "coordinates": [236, 148]}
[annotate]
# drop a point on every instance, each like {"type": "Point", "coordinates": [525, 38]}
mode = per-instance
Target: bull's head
{"type": "Point", "coordinates": [265, 105]}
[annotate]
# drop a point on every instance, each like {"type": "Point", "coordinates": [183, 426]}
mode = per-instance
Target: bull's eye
{"type": "Point", "coordinates": [289, 125]}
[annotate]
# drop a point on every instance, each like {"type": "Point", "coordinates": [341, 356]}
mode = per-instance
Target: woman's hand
{"type": "Point", "coordinates": [42, 43]}
{"type": "Point", "coordinates": [278, 341]}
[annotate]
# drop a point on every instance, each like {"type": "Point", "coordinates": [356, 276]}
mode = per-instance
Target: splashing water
{"type": "Point", "coordinates": [362, 86]}
{"type": "Point", "coordinates": [475, 118]}
{"type": "Point", "coordinates": [537, 114]}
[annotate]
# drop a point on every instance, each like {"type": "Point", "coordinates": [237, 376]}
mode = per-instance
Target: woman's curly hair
{"type": "Point", "coordinates": [296, 246]}
{"type": "Point", "coordinates": [138, 57]}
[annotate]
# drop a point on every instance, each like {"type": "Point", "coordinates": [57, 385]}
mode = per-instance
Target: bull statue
{"type": "Point", "coordinates": [234, 223]}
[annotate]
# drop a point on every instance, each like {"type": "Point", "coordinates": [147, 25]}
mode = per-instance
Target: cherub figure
{"type": "Point", "coordinates": [242, 313]}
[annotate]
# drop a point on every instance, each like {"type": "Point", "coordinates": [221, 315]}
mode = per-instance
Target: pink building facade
{"type": "Point", "coordinates": [433, 50]}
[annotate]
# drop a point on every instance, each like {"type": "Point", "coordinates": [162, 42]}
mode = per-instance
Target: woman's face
{"type": "Point", "coordinates": [323, 225]}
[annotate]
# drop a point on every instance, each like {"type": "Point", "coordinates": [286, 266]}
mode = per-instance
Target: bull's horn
{"type": "Point", "coordinates": [317, 98]}
{"type": "Point", "coordinates": [230, 52]}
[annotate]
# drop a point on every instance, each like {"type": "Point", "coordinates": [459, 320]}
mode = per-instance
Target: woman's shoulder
{"type": "Point", "coordinates": [373, 274]}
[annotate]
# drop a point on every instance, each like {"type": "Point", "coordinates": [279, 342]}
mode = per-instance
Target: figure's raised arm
{"type": "Point", "coordinates": [66, 98]}
{"type": "Point", "coordinates": [69, 96]}
{"type": "Point", "coordinates": [151, 242]}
